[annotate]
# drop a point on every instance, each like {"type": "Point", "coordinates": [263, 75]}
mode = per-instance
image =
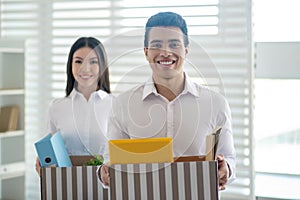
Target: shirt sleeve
{"type": "Point", "coordinates": [226, 144]}
{"type": "Point", "coordinates": [50, 119]}
{"type": "Point", "coordinates": [116, 129]}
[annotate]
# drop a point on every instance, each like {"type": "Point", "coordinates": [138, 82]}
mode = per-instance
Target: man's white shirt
{"type": "Point", "coordinates": [143, 113]}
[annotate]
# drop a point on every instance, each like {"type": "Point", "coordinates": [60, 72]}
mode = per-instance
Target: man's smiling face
{"type": "Point", "coordinates": [166, 52]}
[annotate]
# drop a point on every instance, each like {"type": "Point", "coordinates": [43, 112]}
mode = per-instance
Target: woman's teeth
{"type": "Point", "coordinates": [85, 76]}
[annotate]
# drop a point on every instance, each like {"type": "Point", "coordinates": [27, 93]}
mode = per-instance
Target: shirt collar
{"type": "Point", "coordinates": [189, 87]}
{"type": "Point", "coordinates": [73, 93]}
{"type": "Point", "coordinates": [100, 93]}
{"type": "Point", "coordinates": [149, 88]}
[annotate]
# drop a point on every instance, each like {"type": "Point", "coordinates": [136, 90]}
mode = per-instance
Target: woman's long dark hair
{"type": "Point", "coordinates": [97, 46]}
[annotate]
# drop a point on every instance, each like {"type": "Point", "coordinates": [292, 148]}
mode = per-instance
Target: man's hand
{"type": "Point", "coordinates": [104, 174]}
{"type": "Point", "coordinates": [223, 172]}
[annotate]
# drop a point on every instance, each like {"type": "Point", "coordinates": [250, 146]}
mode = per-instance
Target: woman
{"type": "Point", "coordinates": [81, 116]}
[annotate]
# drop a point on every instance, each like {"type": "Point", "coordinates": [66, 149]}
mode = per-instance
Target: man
{"type": "Point", "coordinates": [169, 104]}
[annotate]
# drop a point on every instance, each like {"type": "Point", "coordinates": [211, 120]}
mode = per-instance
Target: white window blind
{"type": "Point", "coordinates": [20, 20]}
{"type": "Point", "coordinates": [220, 57]}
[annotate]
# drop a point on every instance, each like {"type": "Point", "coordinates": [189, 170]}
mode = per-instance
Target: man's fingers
{"type": "Point", "coordinates": [220, 157]}
{"type": "Point", "coordinates": [222, 172]}
{"type": "Point", "coordinates": [222, 187]}
{"type": "Point", "coordinates": [223, 180]}
{"type": "Point", "coordinates": [105, 175]}
{"type": "Point", "coordinates": [222, 183]}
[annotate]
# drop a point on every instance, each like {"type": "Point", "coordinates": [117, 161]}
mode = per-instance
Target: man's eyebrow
{"type": "Point", "coordinates": [174, 40]}
{"type": "Point", "coordinates": [155, 41]}
{"type": "Point", "coordinates": [171, 40]}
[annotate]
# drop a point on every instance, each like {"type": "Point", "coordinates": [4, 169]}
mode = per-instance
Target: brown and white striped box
{"type": "Point", "coordinates": [180, 180]}
{"type": "Point", "coordinates": [78, 182]}
{"type": "Point", "coordinates": [164, 181]}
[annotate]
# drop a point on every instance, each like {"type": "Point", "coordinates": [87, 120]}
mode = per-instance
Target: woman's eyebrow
{"type": "Point", "coordinates": [93, 57]}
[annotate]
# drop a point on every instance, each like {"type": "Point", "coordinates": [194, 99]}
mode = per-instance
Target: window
{"type": "Point", "coordinates": [275, 21]}
{"type": "Point", "coordinates": [277, 126]}
{"type": "Point", "coordinates": [277, 133]}
{"type": "Point", "coordinates": [276, 122]}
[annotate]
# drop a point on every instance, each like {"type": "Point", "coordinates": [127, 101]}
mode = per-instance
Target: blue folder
{"type": "Point", "coordinates": [51, 151]}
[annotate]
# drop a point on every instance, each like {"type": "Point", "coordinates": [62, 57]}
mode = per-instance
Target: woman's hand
{"type": "Point", "coordinates": [38, 166]}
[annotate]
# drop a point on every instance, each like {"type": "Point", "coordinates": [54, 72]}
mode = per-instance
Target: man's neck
{"type": "Point", "coordinates": [170, 88]}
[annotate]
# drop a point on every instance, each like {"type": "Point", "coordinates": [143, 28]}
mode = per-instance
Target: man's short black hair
{"type": "Point", "coordinates": [166, 19]}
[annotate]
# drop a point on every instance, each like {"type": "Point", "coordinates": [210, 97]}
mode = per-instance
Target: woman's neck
{"type": "Point", "coordinates": [86, 91]}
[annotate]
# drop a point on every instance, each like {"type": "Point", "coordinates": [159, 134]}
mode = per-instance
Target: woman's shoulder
{"type": "Point", "coordinates": [58, 102]}
{"type": "Point", "coordinates": [58, 105]}
{"type": "Point", "coordinates": [104, 97]}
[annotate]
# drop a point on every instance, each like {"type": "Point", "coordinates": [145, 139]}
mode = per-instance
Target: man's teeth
{"type": "Point", "coordinates": [166, 62]}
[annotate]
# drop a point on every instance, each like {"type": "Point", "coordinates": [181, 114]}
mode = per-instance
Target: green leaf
{"type": "Point", "coordinates": [98, 160]}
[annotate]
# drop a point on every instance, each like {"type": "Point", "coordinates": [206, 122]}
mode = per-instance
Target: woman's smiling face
{"type": "Point", "coordinates": [85, 68]}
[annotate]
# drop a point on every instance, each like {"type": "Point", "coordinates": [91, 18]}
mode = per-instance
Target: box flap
{"type": "Point", "coordinates": [189, 158]}
{"type": "Point", "coordinates": [212, 142]}
{"type": "Point", "coordinates": [80, 160]}
{"type": "Point", "coordinates": [152, 150]}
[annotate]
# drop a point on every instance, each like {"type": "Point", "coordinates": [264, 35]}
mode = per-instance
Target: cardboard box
{"type": "Point", "coordinates": [9, 118]}
{"type": "Point", "coordinates": [146, 150]}
{"type": "Point", "coordinates": [194, 177]}
{"type": "Point", "coordinates": [76, 182]}
{"type": "Point", "coordinates": [179, 180]}
{"type": "Point", "coordinates": [191, 177]}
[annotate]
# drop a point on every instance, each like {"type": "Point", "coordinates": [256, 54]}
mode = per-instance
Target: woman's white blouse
{"type": "Point", "coordinates": [82, 123]}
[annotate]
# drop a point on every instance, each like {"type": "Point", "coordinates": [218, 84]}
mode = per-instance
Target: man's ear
{"type": "Point", "coordinates": [146, 52]}
{"type": "Point", "coordinates": [186, 50]}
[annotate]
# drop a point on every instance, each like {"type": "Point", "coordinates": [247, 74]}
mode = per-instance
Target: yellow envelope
{"type": "Point", "coordinates": [151, 150]}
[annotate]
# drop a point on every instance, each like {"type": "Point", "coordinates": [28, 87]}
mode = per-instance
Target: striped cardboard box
{"type": "Point", "coordinates": [71, 183]}
{"type": "Point", "coordinates": [164, 181]}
